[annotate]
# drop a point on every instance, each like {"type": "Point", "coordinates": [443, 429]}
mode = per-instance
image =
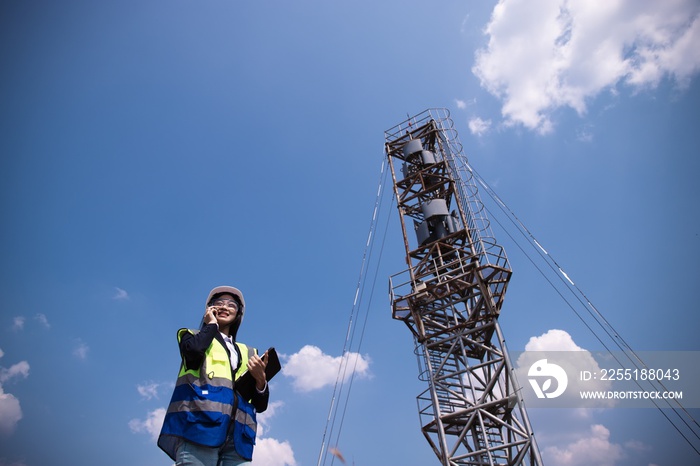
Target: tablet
{"type": "Point", "coordinates": [245, 385]}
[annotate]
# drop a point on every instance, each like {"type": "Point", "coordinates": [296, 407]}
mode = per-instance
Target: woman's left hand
{"type": "Point", "coordinates": [256, 366]}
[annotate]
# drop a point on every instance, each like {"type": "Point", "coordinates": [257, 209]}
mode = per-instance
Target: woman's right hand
{"type": "Point", "coordinates": [210, 315]}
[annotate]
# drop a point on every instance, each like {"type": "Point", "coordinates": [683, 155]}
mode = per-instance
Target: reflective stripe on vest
{"type": "Point", "coordinates": [245, 418]}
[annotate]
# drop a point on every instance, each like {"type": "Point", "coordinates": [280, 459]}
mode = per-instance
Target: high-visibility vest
{"type": "Point", "coordinates": [203, 403]}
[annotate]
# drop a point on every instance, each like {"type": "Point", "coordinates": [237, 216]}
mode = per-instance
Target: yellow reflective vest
{"type": "Point", "coordinates": [204, 401]}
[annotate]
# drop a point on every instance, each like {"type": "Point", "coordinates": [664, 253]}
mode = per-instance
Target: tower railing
{"type": "Point", "coordinates": [478, 224]}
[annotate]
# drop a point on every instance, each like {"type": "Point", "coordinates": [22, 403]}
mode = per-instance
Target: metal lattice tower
{"type": "Point", "coordinates": [450, 298]}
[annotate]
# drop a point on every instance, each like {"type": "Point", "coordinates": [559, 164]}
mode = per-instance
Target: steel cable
{"type": "Point", "coordinates": [355, 312]}
{"type": "Point", "coordinates": [597, 316]}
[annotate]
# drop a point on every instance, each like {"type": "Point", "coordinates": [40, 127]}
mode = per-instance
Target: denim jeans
{"type": "Point", "coordinates": [189, 454]}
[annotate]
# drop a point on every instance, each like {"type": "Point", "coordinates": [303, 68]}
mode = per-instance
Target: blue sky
{"type": "Point", "coordinates": [152, 150]}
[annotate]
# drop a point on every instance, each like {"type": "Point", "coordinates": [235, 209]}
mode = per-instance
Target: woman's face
{"type": "Point", "coordinates": [227, 309]}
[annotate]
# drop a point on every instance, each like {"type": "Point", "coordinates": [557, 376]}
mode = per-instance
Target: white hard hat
{"type": "Point", "coordinates": [230, 290]}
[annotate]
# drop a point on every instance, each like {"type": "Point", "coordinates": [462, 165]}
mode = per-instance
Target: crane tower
{"type": "Point", "coordinates": [450, 297]}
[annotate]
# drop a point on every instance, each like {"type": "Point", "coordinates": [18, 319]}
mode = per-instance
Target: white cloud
{"type": "Point", "coordinates": [10, 409]}
{"type": "Point", "coordinates": [81, 350]}
{"type": "Point", "coordinates": [271, 452]}
{"type": "Point", "coordinates": [148, 390]}
{"type": "Point", "coordinates": [43, 320]}
{"type": "Point", "coordinates": [552, 340]}
{"type": "Point", "coordinates": [593, 447]}
{"type": "Point", "coordinates": [10, 413]}
{"type": "Point", "coordinates": [463, 104]}
{"type": "Point", "coordinates": [19, 369]}
{"type": "Point", "coordinates": [558, 341]}
{"type": "Point", "coordinates": [18, 323]}
{"type": "Point", "coordinates": [151, 425]}
{"type": "Point", "coordinates": [120, 294]}
{"type": "Point", "coordinates": [543, 55]}
{"type": "Point", "coordinates": [479, 127]}
{"type": "Point", "coordinates": [311, 369]}
{"type": "Point", "coordinates": [264, 417]}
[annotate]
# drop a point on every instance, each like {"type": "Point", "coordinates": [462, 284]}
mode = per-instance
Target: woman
{"type": "Point", "coordinates": [208, 423]}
